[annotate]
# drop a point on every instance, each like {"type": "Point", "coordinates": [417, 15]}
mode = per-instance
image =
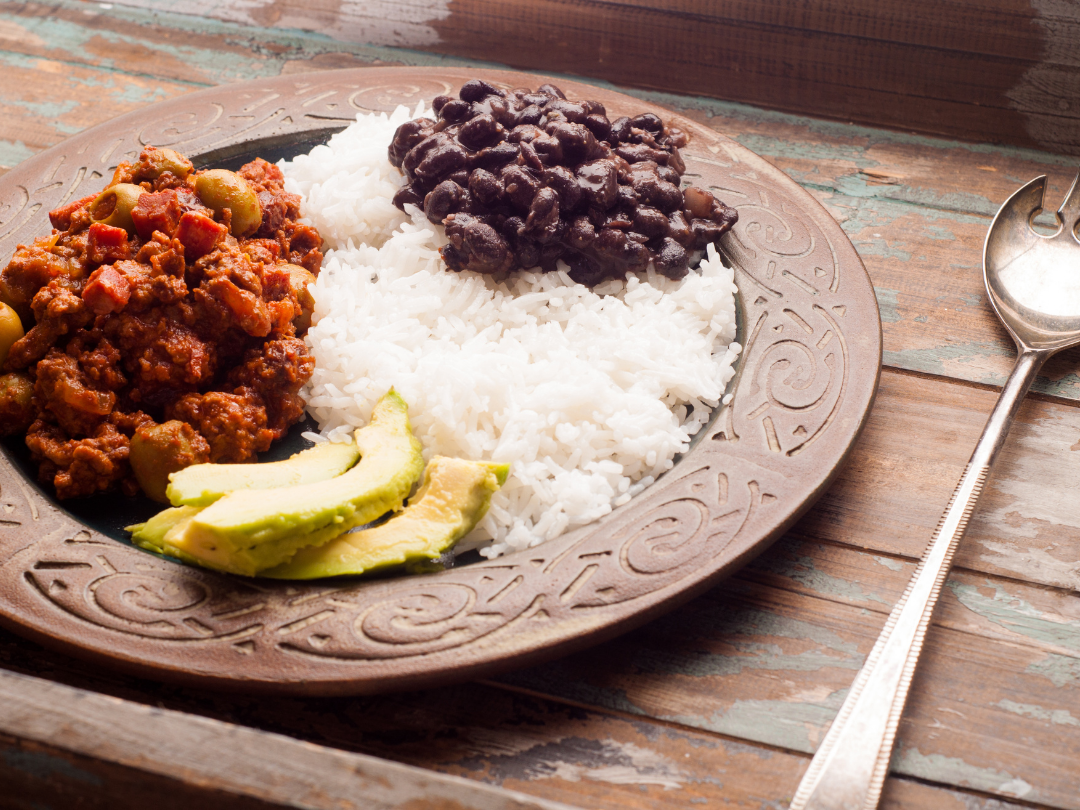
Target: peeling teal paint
{"type": "Point", "coordinates": [939, 233]}
{"type": "Point", "coordinates": [954, 771]}
{"type": "Point", "coordinates": [892, 565]}
{"type": "Point", "coordinates": [1060, 670]}
{"type": "Point", "coordinates": [801, 568]}
{"type": "Point", "coordinates": [1013, 613]}
{"type": "Point", "coordinates": [858, 185]}
{"type": "Point", "coordinates": [881, 248]}
{"type": "Point", "coordinates": [792, 725]}
{"type": "Point", "coordinates": [830, 651]}
{"type": "Point", "coordinates": [13, 153]}
{"type": "Point", "coordinates": [43, 766]}
{"type": "Point", "coordinates": [971, 299]}
{"type": "Point", "coordinates": [1059, 717]}
{"type": "Point", "coordinates": [932, 360]}
{"type": "Point", "coordinates": [920, 319]}
{"type": "Point", "coordinates": [886, 301]}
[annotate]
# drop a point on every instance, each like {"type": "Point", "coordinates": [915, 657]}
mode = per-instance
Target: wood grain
{"type": "Point", "coordinates": [512, 739]}
{"type": "Point", "coordinates": [1002, 71]}
{"type": "Point", "coordinates": [63, 744]}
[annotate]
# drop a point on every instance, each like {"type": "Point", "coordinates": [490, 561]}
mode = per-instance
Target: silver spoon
{"type": "Point", "coordinates": [1033, 282]}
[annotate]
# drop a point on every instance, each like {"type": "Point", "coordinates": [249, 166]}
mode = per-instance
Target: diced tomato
{"type": "Point", "coordinates": [107, 244]}
{"type": "Point", "coordinates": [157, 212]}
{"type": "Point", "coordinates": [107, 290]}
{"type": "Point", "coordinates": [198, 234]}
{"type": "Point", "coordinates": [61, 217]}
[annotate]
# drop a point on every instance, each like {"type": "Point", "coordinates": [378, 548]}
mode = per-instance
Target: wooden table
{"type": "Point", "coordinates": [722, 702]}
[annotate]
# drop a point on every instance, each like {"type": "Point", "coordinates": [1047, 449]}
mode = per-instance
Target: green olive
{"type": "Point", "coordinates": [158, 450]}
{"type": "Point", "coordinates": [114, 205]}
{"type": "Point", "coordinates": [11, 329]}
{"type": "Point", "coordinates": [16, 403]}
{"type": "Point", "coordinates": [221, 189]}
{"type": "Point", "coordinates": [299, 279]}
{"type": "Point", "coordinates": [154, 162]}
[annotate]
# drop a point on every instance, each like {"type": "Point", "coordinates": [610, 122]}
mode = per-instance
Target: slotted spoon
{"type": "Point", "coordinates": [1033, 282]}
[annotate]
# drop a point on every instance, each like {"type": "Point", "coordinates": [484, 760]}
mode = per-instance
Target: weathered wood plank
{"type": "Point", "coordinates": [902, 472]}
{"type": "Point", "coordinates": [1009, 78]}
{"type": "Point", "coordinates": [514, 740]}
{"type": "Point", "coordinates": [60, 743]}
{"type": "Point", "coordinates": [773, 666]}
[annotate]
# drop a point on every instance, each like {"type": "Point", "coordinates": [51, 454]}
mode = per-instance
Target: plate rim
{"type": "Point", "coordinates": [29, 554]}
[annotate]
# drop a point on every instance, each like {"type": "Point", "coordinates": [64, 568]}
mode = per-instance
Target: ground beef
{"type": "Point", "coordinates": [526, 178]}
{"type": "Point", "coordinates": [164, 315]}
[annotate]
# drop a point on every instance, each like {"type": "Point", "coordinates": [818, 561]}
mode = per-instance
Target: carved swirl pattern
{"type": "Point", "coordinates": [806, 378]}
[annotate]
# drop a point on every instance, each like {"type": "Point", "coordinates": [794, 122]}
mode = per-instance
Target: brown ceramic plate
{"type": "Point", "coordinates": [806, 380]}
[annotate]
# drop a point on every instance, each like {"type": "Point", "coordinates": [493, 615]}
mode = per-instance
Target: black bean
{"type": "Point", "coordinates": [599, 126]}
{"type": "Point", "coordinates": [520, 186]}
{"type": "Point", "coordinates": [477, 89]}
{"type": "Point", "coordinates": [599, 182]}
{"type": "Point", "coordinates": [443, 200]}
{"type": "Point", "coordinates": [669, 174]}
{"type": "Point", "coordinates": [543, 216]}
{"type": "Point", "coordinates": [565, 184]}
{"type": "Point", "coordinates": [407, 136]}
{"type": "Point", "coordinates": [441, 160]}
{"type": "Point", "coordinates": [480, 131]}
{"type": "Point", "coordinates": [485, 186]}
{"type": "Point", "coordinates": [480, 245]}
{"type": "Point", "coordinates": [551, 90]}
{"type": "Point", "coordinates": [620, 130]}
{"type": "Point", "coordinates": [524, 132]}
{"type": "Point", "coordinates": [493, 157]}
{"type": "Point", "coordinates": [675, 161]}
{"type": "Point", "coordinates": [648, 122]}
{"type": "Point", "coordinates": [538, 99]}
{"type": "Point", "coordinates": [705, 233]}
{"type": "Point", "coordinates": [455, 110]}
{"type": "Point", "coordinates": [438, 102]}
{"type": "Point", "coordinates": [671, 259]}
{"type": "Point", "coordinates": [529, 115]}
{"type": "Point", "coordinates": [529, 159]}
{"type": "Point", "coordinates": [637, 152]}
{"type": "Point", "coordinates": [571, 110]}
{"type": "Point", "coordinates": [650, 221]}
{"type": "Point", "coordinates": [548, 149]}
{"type": "Point", "coordinates": [407, 195]}
{"type": "Point", "coordinates": [581, 233]}
{"type": "Point", "coordinates": [628, 198]}
{"type": "Point", "coordinates": [679, 229]}
{"type": "Point", "coordinates": [578, 143]}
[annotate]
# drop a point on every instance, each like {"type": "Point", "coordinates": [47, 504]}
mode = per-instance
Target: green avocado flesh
{"type": "Point", "coordinates": [453, 498]}
{"type": "Point", "coordinates": [248, 531]}
{"type": "Point", "coordinates": [155, 535]}
{"type": "Point", "coordinates": [202, 484]}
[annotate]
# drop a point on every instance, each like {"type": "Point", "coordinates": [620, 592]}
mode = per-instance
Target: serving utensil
{"type": "Point", "coordinates": [1033, 282]}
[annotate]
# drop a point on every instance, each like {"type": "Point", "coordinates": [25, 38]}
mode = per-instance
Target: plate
{"type": "Point", "coordinates": [803, 389]}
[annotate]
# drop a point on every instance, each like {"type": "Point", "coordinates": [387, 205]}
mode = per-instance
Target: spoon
{"type": "Point", "coordinates": [1033, 282]}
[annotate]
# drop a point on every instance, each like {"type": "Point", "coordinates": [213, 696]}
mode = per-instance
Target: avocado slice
{"type": "Point", "coordinates": [454, 497]}
{"type": "Point", "coordinates": [202, 484]}
{"type": "Point", "coordinates": [247, 531]}
{"type": "Point", "coordinates": [156, 533]}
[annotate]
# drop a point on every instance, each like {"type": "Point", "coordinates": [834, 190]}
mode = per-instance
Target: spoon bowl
{"type": "Point", "coordinates": [1033, 279]}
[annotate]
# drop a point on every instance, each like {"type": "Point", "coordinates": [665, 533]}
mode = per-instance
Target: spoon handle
{"type": "Point", "coordinates": [848, 771]}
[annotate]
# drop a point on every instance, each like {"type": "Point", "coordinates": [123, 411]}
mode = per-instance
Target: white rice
{"type": "Point", "coordinates": [588, 394]}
